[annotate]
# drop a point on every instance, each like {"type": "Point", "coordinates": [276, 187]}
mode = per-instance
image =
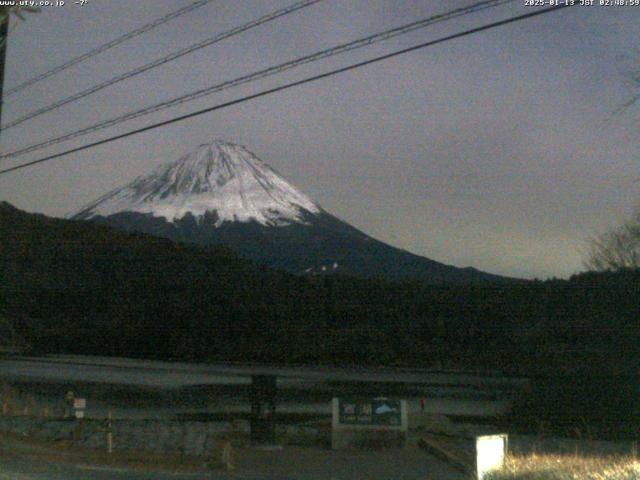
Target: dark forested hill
{"type": "Point", "coordinates": [88, 288]}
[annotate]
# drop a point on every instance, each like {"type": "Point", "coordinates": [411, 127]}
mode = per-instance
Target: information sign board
{"type": "Point", "coordinates": [379, 411]}
{"type": "Point", "coordinates": [364, 422]}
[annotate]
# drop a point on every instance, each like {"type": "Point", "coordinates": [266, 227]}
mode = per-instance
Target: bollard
{"type": "Point", "coordinates": [109, 434]}
{"type": "Point", "coordinates": [227, 454]}
{"type": "Point", "coordinates": [490, 454]}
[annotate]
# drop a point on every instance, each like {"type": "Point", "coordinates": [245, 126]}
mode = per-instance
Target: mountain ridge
{"type": "Point", "coordinates": [223, 194]}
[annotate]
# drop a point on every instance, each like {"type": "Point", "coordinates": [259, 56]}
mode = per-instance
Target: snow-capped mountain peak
{"type": "Point", "coordinates": [222, 194]}
{"type": "Point", "coordinates": [221, 179]}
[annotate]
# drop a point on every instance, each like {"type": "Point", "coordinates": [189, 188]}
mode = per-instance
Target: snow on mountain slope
{"type": "Point", "coordinates": [219, 178]}
{"type": "Point", "coordinates": [222, 194]}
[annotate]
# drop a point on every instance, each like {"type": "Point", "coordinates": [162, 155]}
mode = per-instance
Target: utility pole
{"type": "Point", "coordinates": [4, 34]}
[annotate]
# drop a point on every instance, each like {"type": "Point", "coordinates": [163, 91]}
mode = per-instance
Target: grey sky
{"type": "Point", "coordinates": [499, 150]}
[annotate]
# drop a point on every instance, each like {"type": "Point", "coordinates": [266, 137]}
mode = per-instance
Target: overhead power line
{"type": "Point", "coordinates": [291, 85]}
{"type": "Point", "coordinates": [166, 59]}
{"type": "Point", "coordinates": [102, 48]}
{"type": "Point", "coordinates": [346, 47]}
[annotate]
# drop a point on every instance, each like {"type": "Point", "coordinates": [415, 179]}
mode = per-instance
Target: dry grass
{"type": "Point", "coordinates": [568, 467]}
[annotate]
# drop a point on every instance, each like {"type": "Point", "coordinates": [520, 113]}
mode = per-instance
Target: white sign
{"type": "Point", "coordinates": [80, 403]}
{"type": "Point", "coordinates": [490, 453]}
{"type": "Point", "coordinates": [79, 413]}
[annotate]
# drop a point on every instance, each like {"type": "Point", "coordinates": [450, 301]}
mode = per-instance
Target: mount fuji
{"type": "Point", "coordinates": [223, 194]}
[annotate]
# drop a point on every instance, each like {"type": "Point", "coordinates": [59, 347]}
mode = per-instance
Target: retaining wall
{"type": "Point", "coordinates": [189, 438]}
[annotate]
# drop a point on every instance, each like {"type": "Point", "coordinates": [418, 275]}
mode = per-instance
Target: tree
{"type": "Point", "coordinates": [618, 248]}
{"type": "Point", "coordinates": [10, 340]}
{"type": "Point", "coordinates": [17, 11]}
{"type": "Point", "coordinates": [6, 11]}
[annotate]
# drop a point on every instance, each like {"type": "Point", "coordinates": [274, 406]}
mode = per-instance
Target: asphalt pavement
{"type": "Point", "coordinates": [287, 464]}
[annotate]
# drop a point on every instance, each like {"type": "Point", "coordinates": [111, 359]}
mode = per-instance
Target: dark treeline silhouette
{"type": "Point", "coordinates": [93, 290]}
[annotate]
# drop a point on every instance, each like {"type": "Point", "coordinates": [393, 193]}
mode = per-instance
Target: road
{"type": "Point", "coordinates": [289, 464]}
{"type": "Point", "coordinates": [174, 374]}
{"type": "Point", "coordinates": [14, 469]}
{"type": "Point", "coordinates": [303, 389]}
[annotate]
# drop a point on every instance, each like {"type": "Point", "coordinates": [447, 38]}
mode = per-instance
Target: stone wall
{"type": "Point", "coordinates": [188, 438]}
